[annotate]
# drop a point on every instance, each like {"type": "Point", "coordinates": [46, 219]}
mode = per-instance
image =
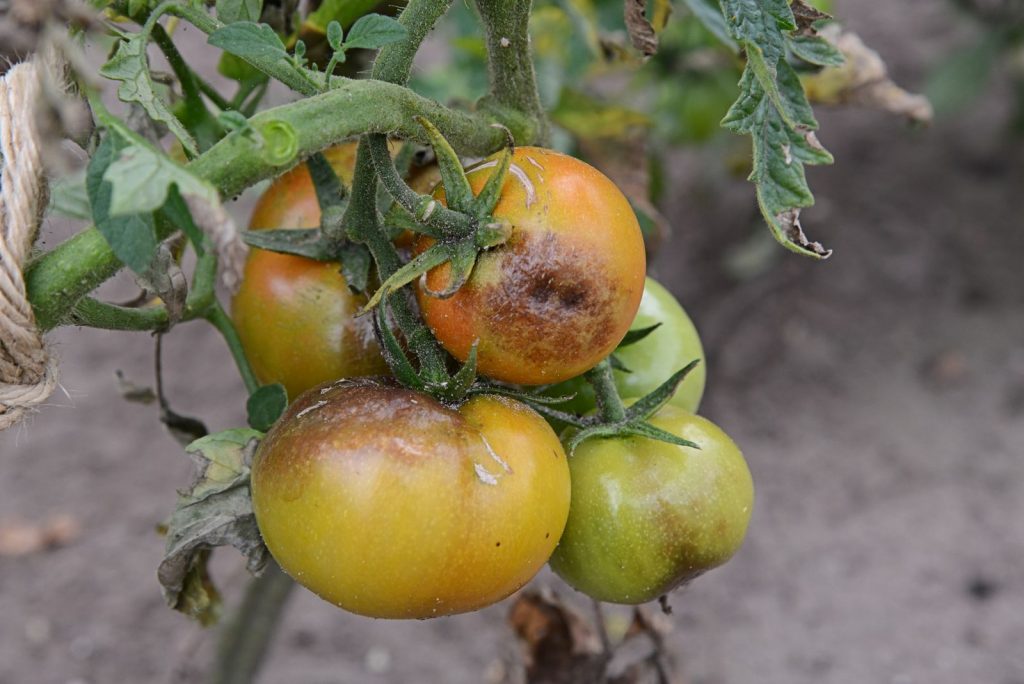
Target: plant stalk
{"type": "Point", "coordinates": [245, 639]}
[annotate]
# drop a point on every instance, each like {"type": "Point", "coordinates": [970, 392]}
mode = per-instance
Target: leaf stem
{"type": "Point", "coordinates": [220, 320]}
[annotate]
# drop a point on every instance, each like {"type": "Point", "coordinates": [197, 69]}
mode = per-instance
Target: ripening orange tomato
{"type": "Point", "coordinates": [390, 504]}
{"type": "Point", "coordinates": [295, 315]}
{"type": "Point", "coordinates": [561, 293]}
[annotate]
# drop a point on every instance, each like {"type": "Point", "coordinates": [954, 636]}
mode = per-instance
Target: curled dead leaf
{"type": "Point", "coordinates": [213, 219]}
{"type": "Point", "coordinates": [863, 79]}
{"type": "Point", "coordinates": [641, 33]}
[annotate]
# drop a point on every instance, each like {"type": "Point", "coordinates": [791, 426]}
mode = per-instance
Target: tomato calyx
{"type": "Point", "coordinates": [317, 243]}
{"type": "Point", "coordinates": [462, 229]}
{"type": "Point", "coordinates": [613, 418]}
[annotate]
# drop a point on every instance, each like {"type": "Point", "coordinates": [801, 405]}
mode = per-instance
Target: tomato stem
{"type": "Point", "coordinates": [246, 636]}
{"type": "Point", "coordinates": [222, 322]}
{"type": "Point", "coordinates": [609, 403]}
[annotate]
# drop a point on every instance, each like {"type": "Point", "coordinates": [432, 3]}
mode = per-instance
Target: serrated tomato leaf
{"type": "Point", "coordinates": [130, 67]}
{"type": "Point", "coordinates": [773, 110]}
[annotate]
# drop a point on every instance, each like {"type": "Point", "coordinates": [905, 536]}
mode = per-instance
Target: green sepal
{"type": "Point", "coordinates": [462, 261]}
{"type": "Point", "coordinates": [601, 430]}
{"type": "Point", "coordinates": [634, 336]}
{"type": "Point", "coordinates": [491, 192]}
{"type": "Point", "coordinates": [649, 404]}
{"type": "Point", "coordinates": [397, 219]}
{"type": "Point", "coordinates": [355, 265]}
{"type": "Point", "coordinates": [392, 351]}
{"type": "Point", "coordinates": [458, 193]}
{"type": "Point", "coordinates": [642, 429]}
{"type": "Point", "coordinates": [304, 242]}
{"type": "Point", "coordinates": [432, 258]}
{"type": "Point", "coordinates": [457, 388]}
{"type": "Point", "coordinates": [329, 189]}
{"type": "Point", "coordinates": [617, 364]}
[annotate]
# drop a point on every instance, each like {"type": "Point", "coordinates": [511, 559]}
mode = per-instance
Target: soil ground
{"type": "Point", "coordinates": [879, 398]}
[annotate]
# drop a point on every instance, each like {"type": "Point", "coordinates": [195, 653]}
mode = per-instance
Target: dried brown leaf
{"type": "Point", "coordinates": [641, 33]}
{"type": "Point", "coordinates": [863, 79]}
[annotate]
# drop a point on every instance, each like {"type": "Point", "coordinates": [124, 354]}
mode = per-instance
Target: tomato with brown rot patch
{"type": "Point", "coordinates": [561, 293]}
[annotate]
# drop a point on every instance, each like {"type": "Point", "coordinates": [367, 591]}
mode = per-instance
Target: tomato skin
{"type": "Point", "coordinates": [652, 360]}
{"type": "Point", "coordinates": [560, 294]}
{"type": "Point", "coordinates": [295, 315]}
{"type": "Point", "coordinates": [647, 516]}
{"type": "Point", "coordinates": [389, 504]}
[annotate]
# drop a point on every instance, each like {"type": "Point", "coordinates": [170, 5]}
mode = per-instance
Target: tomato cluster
{"type": "Point", "coordinates": [389, 503]}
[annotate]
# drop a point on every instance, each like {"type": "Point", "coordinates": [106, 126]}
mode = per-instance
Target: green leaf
{"type": "Point", "coordinates": [266, 405]}
{"type": "Point", "coordinates": [230, 11]}
{"type": "Point", "coordinates": [773, 110]}
{"type": "Point", "coordinates": [69, 197]}
{"type": "Point", "coordinates": [249, 40]}
{"type": "Point", "coordinates": [342, 11]}
{"type": "Point", "coordinates": [237, 69]}
{"type": "Point", "coordinates": [130, 67]}
{"type": "Point", "coordinates": [131, 237]}
{"type": "Point", "coordinates": [709, 13]}
{"type": "Point", "coordinates": [761, 23]}
{"type": "Point", "coordinates": [374, 31]}
{"type": "Point", "coordinates": [816, 50]}
{"type": "Point", "coordinates": [780, 153]}
{"type": "Point", "coordinates": [335, 35]}
{"type": "Point", "coordinates": [141, 178]}
{"type": "Point", "coordinates": [232, 120]}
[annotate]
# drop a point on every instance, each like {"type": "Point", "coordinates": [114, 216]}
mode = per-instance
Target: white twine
{"type": "Point", "coordinates": [27, 374]}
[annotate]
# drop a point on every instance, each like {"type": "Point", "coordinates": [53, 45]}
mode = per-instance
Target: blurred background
{"type": "Point", "coordinates": [878, 397]}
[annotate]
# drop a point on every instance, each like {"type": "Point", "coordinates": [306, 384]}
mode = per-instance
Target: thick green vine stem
{"type": "Point", "coordinates": [246, 637]}
{"type": "Point", "coordinates": [58, 279]}
{"type": "Point", "coordinates": [509, 63]}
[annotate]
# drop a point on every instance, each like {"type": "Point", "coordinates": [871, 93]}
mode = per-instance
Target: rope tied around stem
{"type": "Point", "coordinates": [27, 373]}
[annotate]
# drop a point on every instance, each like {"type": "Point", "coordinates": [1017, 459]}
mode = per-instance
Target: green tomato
{"type": "Point", "coordinates": [651, 360]}
{"type": "Point", "coordinates": [646, 516]}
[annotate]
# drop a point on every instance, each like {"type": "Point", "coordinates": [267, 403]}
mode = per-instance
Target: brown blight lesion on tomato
{"type": "Point", "coordinates": [556, 297]}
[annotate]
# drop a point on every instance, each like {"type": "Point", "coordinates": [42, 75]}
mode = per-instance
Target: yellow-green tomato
{"type": "Point", "coordinates": [390, 504]}
{"type": "Point", "coordinates": [647, 516]}
{"type": "Point", "coordinates": [652, 360]}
